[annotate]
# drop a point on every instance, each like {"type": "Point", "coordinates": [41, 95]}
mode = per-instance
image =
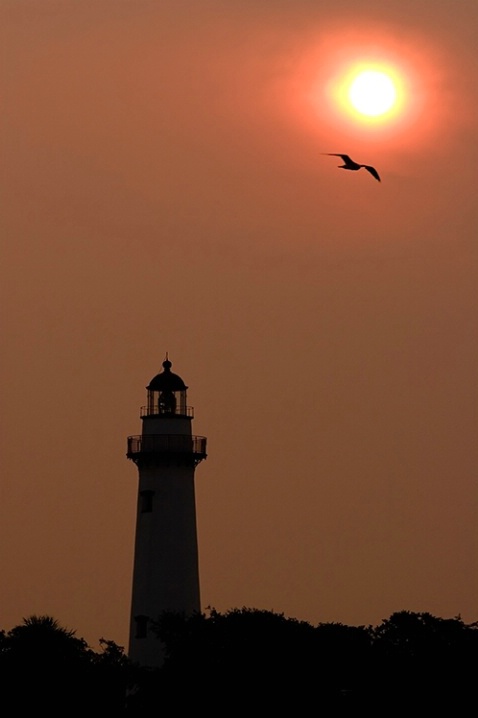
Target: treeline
{"type": "Point", "coordinates": [248, 661]}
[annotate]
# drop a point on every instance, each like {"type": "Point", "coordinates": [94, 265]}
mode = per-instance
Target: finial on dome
{"type": "Point", "coordinates": [166, 363]}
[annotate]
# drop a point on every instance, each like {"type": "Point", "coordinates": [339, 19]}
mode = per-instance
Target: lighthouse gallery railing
{"type": "Point", "coordinates": [166, 443]}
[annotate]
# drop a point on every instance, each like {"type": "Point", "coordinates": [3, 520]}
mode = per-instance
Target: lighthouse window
{"type": "Point", "coordinates": [146, 498]}
{"type": "Point", "coordinates": [167, 402]}
{"type": "Point", "coordinates": [141, 626]}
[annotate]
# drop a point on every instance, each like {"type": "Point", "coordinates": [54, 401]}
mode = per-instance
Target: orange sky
{"type": "Point", "coordinates": [163, 190]}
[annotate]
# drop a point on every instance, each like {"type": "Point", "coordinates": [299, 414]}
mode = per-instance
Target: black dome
{"type": "Point", "coordinates": [166, 380]}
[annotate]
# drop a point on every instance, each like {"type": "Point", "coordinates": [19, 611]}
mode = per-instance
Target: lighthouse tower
{"type": "Point", "coordinates": [166, 570]}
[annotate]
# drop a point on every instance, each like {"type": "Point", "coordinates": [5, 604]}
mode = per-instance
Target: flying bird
{"type": "Point", "coordinates": [349, 164]}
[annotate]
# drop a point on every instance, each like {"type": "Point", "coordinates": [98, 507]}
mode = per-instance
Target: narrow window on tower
{"type": "Point", "coordinates": [146, 498]}
{"type": "Point", "coordinates": [141, 626]}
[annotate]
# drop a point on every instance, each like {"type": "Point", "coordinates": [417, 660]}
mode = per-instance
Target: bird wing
{"type": "Point", "coordinates": [345, 158]}
{"type": "Point", "coordinates": [372, 171]}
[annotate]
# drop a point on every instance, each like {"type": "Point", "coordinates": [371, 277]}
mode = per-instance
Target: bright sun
{"type": "Point", "coordinates": [372, 93]}
{"type": "Point", "coordinates": [375, 87]}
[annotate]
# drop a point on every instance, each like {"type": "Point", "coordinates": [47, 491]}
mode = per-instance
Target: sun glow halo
{"type": "Point", "coordinates": [372, 84]}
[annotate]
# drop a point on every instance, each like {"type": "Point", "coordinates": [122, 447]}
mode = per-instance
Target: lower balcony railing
{"type": "Point", "coordinates": [166, 444]}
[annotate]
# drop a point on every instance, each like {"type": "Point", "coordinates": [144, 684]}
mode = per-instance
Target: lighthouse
{"type": "Point", "coordinates": [166, 564]}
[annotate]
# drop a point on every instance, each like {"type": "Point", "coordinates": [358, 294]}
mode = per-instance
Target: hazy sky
{"type": "Point", "coordinates": [163, 190]}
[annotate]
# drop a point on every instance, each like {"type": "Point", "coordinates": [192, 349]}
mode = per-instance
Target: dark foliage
{"type": "Point", "coordinates": [247, 661]}
{"type": "Point", "coordinates": [423, 659]}
{"type": "Point", "coordinates": [44, 666]}
{"type": "Point", "coordinates": [264, 661]}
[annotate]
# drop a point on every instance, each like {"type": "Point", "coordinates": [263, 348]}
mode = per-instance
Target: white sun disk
{"type": "Point", "coordinates": [372, 93]}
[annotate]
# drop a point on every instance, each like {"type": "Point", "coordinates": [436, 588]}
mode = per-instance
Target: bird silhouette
{"type": "Point", "coordinates": [349, 164]}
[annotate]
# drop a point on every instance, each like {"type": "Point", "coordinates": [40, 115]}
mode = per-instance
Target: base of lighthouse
{"type": "Point", "coordinates": [166, 565]}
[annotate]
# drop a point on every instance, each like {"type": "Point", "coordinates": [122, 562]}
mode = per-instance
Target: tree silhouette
{"type": "Point", "coordinates": [248, 661]}
{"type": "Point", "coordinates": [261, 659]}
{"type": "Point", "coordinates": [45, 666]}
{"type": "Point", "coordinates": [423, 658]}
{"type": "Point", "coordinates": [266, 661]}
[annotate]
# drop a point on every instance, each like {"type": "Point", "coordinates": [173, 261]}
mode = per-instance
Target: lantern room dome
{"type": "Point", "coordinates": [166, 380]}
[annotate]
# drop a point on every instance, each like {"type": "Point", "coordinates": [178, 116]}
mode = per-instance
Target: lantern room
{"type": "Point", "coordinates": [167, 394]}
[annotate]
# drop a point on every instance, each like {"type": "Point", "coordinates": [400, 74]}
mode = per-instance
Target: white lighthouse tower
{"type": "Point", "coordinates": [166, 566]}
